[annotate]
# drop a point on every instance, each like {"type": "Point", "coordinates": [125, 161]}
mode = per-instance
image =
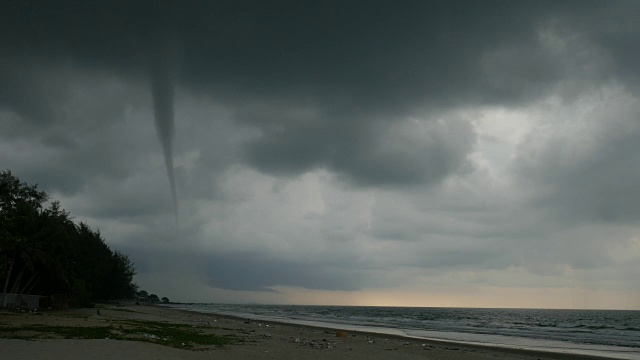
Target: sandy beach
{"type": "Point", "coordinates": [72, 334]}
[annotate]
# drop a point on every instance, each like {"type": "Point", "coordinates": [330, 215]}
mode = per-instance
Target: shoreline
{"type": "Point", "coordinates": [256, 339]}
{"type": "Point", "coordinates": [361, 330]}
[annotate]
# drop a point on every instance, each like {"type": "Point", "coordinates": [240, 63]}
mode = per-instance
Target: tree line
{"type": "Point", "coordinates": [44, 252]}
{"type": "Point", "coordinates": [144, 296]}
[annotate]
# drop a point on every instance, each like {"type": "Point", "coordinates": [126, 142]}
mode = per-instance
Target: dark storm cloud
{"type": "Point", "coordinates": [358, 67]}
{"type": "Point", "coordinates": [246, 271]}
{"type": "Point", "coordinates": [402, 152]}
{"type": "Point", "coordinates": [68, 134]}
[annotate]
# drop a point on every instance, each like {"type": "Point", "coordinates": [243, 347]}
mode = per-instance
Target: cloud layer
{"type": "Point", "coordinates": [449, 148]}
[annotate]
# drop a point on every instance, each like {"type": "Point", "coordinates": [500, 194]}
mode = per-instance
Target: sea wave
{"type": "Point", "coordinates": [609, 330]}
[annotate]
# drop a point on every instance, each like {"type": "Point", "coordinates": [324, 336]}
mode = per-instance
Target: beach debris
{"type": "Point", "coordinates": [323, 344]}
{"type": "Point", "coordinates": [320, 345]}
{"type": "Point", "coordinates": [151, 336]}
{"type": "Point", "coordinates": [428, 347]}
{"type": "Point", "coordinates": [341, 334]}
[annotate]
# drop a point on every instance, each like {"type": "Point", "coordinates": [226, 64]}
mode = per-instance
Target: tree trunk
{"type": "Point", "coordinates": [34, 284]}
{"type": "Point", "coordinates": [16, 283]}
{"type": "Point", "coordinates": [21, 291]}
{"type": "Point", "coordinates": [6, 282]}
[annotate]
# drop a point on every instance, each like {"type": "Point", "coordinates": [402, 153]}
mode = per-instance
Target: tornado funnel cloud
{"type": "Point", "coordinates": [163, 74]}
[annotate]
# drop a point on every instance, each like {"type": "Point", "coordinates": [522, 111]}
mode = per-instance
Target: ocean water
{"type": "Point", "coordinates": [611, 333]}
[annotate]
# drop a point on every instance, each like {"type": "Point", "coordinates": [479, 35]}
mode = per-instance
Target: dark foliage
{"type": "Point", "coordinates": [42, 251]}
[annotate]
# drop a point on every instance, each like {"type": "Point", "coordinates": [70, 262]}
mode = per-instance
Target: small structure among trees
{"type": "Point", "coordinates": [42, 251]}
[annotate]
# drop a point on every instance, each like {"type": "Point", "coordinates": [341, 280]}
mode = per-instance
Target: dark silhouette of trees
{"type": "Point", "coordinates": [42, 251]}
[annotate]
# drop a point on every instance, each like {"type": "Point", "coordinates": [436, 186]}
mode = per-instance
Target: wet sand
{"type": "Point", "coordinates": [258, 340]}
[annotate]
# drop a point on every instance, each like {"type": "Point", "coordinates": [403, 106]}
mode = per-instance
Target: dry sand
{"type": "Point", "coordinates": [260, 340]}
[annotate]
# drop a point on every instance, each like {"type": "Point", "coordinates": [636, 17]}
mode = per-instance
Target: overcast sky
{"type": "Point", "coordinates": [480, 153]}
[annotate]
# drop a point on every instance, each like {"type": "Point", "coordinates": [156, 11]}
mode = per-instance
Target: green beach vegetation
{"type": "Point", "coordinates": [44, 252]}
{"type": "Point", "coordinates": [174, 335]}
